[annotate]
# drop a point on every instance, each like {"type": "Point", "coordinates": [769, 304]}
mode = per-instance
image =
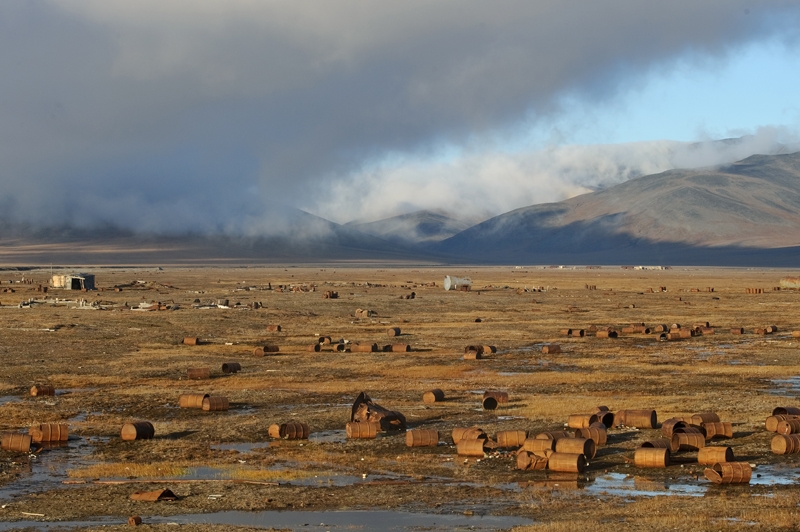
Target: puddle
{"type": "Point", "coordinates": [775, 475]}
{"type": "Point", "coordinates": [9, 399]}
{"type": "Point", "coordinates": [241, 447]}
{"type": "Point", "coordinates": [622, 485]}
{"type": "Point", "coordinates": [311, 521]}
{"type": "Point", "coordinates": [328, 436]}
{"type": "Point", "coordinates": [785, 386]}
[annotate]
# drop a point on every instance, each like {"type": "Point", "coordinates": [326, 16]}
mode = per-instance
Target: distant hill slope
{"type": "Point", "coordinates": [723, 213]}
{"type": "Point", "coordinates": [416, 227]}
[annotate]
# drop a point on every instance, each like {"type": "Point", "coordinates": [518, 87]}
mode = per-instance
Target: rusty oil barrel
{"type": "Point", "coordinates": [137, 430]}
{"type": "Point", "coordinates": [786, 411]}
{"type": "Point", "coordinates": [528, 461]}
{"type": "Point", "coordinates": [363, 348]}
{"type": "Point", "coordinates": [511, 438]}
{"type": "Point", "coordinates": [690, 429]}
{"type": "Point", "coordinates": [628, 330]}
{"type": "Point", "coordinates": [191, 340]}
{"type": "Point", "coordinates": [551, 349]}
{"type": "Point", "coordinates": [651, 457]}
{"type": "Point", "coordinates": [606, 418]}
{"type": "Point", "coordinates": [215, 403]}
{"type": "Point", "coordinates": [471, 447]}
{"type": "Point", "coordinates": [719, 429]}
{"type": "Point", "coordinates": [771, 424]}
{"type": "Point", "coordinates": [658, 443]}
{"type": "Point", "coordinates": [582, 421]}
{"type": "Point", "coordinates": [668, 426]}
{"type": "Point", "coordinates": [314, 348]}
{"type": "Point", "coordinates": [433, 396]}
{"type": "Point", "coordinates": [260, 351]}
{"type": "Point", "coordinates": [553, 435]}
{"type": "Point", "coordinates": [705, 331]}
{"type": "Point", "coordinates": [661, 328]}
{"type": "Point", "coordinates": [712, 455]}
{"type": "Point", "coordinates": [686, 333]}
{"type": "Point", "coordinates": [490, 403]}
{"type": "Point", "coordinates": [362, 430]}
{"type": "Point", "coordinates": [191, 400]}
{"type": "Point", "coordinates": [324, 340]}
{"type": "Point", "coordinates": [786, 444]}
{"type": "Point", "coordinates": [400, 348]}
{"type": "Point", "coordinates": [704, 417]}
{"type": "Point", "coordinates": [771, 329]}
{"type": "Point", "coordinates": [422, 438]}
{"type": "Point", "coordinates": [478, 348]}
{"type": "Point", "coordinates": [47, 432]}
{"type": "Point", "coordinates": [597, 434]}
{"type": "Point", "coordinates": [134, 520]}
{"type": "Point", "coordinates": [393, 331]}
{"type": "Point", "coordinates": [640, 419]}
{"type": "Point", "coordinates": [795, 334]}
{"type": "Point", "coordinates": [538, 445]}
{"type": "Point", "coordinates": [198, 373]}
{"type": "Point", "coordinates": [500, 397]}
{"type": "Point", "coordinates": [467, 433]}
{"type": "Point", "coordinates": [737, 330]}
{"type": "Point", "coordinates": [42, 390]}
{"type": "Point", "coordinates": [790, 426]}
{"type": "Point", "coordinates": [606, 334]}
{"type": "Point", "coordinates": [273, 328]}
{"type": "Point", "coordinates": [584, 446]}
{"type": "Point", "coordinates": [292, 430]}
{"type": "Point", "coordinates": [488, 349]}
{"type": "Point", "coordinates": [729, 473]}
{"type": "Point", "coordinates": [566, 332]}
{"type": "Point", "coordinates": [566, 462]}
{"type": "Point", "coordinates": [472, 355]}
{"type": "Point", "coordinates": [682, 441]}
{"type": "Point", "coordinates": [342, 348]}
{"type": "Point", "coordinates": [231, 367]}
{"type": "Point", "coordinates": [16, 442]}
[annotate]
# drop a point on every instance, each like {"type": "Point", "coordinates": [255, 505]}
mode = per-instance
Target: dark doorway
{"type": "Point", "coordinates": [76, 284]}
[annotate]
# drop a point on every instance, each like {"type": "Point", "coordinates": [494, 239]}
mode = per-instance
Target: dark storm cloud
{"type": "Point", "coordinates": [210, 116]}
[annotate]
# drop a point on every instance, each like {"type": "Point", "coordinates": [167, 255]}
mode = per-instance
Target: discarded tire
{"type": "Point", "coordinates": [231, 367]}
{"type": "Point", "coordinates": [15, 442]}
{"type": "Point", "coordinates": [651, 457]}
{"type": "Point", "coordinates": [714, 454]}
{"type": "Point", "coordinates": [786, 444]}
{"type": "Point", "coordinates": [729, 473]}
{"type": "Point", "coordinates": [566, 462]}
{"type": "Point", "coordinates": [215, 403]}
{"type": "Point", "coordinates": [687, 442]}
{"type": "Point", "coordinates": [138, 430]}
{"type": "Point", "coordinates": [198, 373]}
{"type": "Point", "coordinates": [47, 432]}
{"type": "Point", "coordinates": [433, 396]}
{"type": "Point", "coordinates": [720, 429]}
{"type": "Point", "coordinates": [422, 438]}
{"type": "Point", "coordinates": [470, 447]}
{"type": "Point", "coordinates": [359, 430]}
{"type": "Point", "coordinates": [192, 400]}
{"type": "Point", "coordinates": [511, 438]}
{"type": "Point", "coordinates": [263, 350]}
{"type": "Point", "coordinates": [42, 389]}
{"type": "Point", "coordinates": [582, 446]}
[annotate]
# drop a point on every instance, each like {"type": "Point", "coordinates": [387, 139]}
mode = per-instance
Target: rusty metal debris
{"type": "Point", "coordinates": [362, 430]}
{"type": "Point", "coordinates": [729, 473]}
{"type": "Point", "coordinates": [273, 328]}
{"type": "Point", "coordinates": [191, 340]}
{"type": "Point", "coordinates": [153, 496]}
{"type": "Point", "coordinates": [365, 410]}
{"type": "Point", "coordinates": [786, 444]}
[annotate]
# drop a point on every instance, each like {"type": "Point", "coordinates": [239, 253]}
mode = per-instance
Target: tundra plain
{"type": "Point", "coordinates": [112, 364]}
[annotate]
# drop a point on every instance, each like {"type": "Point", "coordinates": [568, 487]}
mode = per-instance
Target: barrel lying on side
{"type": "Point", "coordinates": [596, 432]}
{"type": "Point", "coordinates": [16, 442]}
{"type": "Point", "coordinates": [687, 442]}
{"type": "Point", "coordinates": [292, 430]}
{"type": "Point", "coordinates": [786, 444]}
{"type": "Point", "coordinates": [138, 430]}
{"type": "Point", "coordinates": [651, 457]}
{"type": "Point", "coordinates": [191, 400]}
{"type": "Point", "coordinates": [263, 350]}
{"type": "Point", "coordinates": [362, 430]}
{"type": "Point", "coordinates": [566, 462]}
{"type": "Point", "coordinates": [198, 373]}
{"type": "Point", "coordinates": [231, 367]}
{"type": "Point", "coordinates": [47, 432]}
{"type": "Point", "coordinates": [42, 389]}
{"type": "Point", "coordinates": [471, 447]}
{"type": "Point", "coordinates": [640, 419]}
{"type": "Point", "coordinates": [467, 433]}
{"type": "Point", "coordinates": [511, 438]}
{"type": "Point", "coordinates": [582, 446]}
{"type": "Point", "coordinates": [714, 454]}
{"type": "Point", "coordinates": [719, 429]}
{"type": "Point", "coordinates": [771, 424]}
{"type": "Point", "coordinates": [433, 396]}
{"type": "Point", "coordinates": [422, 438]}
{"type": "Point", "coordinates": [729, 473]}
{"type": "Point", "coordinates": [215, 403]}
{"type": "Point", "coordinates": [535, 445]}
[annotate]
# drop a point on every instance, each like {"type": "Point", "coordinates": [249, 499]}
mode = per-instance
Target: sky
{"type": "Point", "coordinates": [224, 117]}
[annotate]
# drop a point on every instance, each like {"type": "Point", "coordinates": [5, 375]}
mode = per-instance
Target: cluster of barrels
{"type": "Point", "coordinates": [291, 430]}
{"type": "Point", "coordinates": [476, 352]}
{"type": "Point", "coordinates": [785, 421]}
{"type": "Point", "coordinates": [665, 332]}
{"type": "Point", "coordinates": [364, 313]}
{"type": "Point", "coordinates": [753, 290]}
{"type": "Point", "coordinates": [45, 433]}
{"type": "Point", "coordinates": [327, 344]}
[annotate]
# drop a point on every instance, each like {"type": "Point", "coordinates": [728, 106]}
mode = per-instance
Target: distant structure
{"type": "Point", "coordinates": [790, 282]}
{"type": "Point", "coordinates": [457, 283]}
{"type": "Point", "coordinates": [74, 281]}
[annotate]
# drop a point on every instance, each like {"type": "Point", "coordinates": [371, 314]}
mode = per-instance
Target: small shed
{"type": "Point", "coordinates": [74, 281]}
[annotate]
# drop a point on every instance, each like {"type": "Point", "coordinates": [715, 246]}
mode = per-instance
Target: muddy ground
{"type": "Point", "coordinates": [112, 364]}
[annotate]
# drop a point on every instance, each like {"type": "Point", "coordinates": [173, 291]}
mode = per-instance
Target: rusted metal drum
{"type": "Point", "coordinates": [786, 411]}
{"type": "Point", "coordinates": [658, 443]}
{"type": "Point", "coordinates": [42, 389]}
{"type": "Point", "coordinates": [668, 426]}
{"type": "Point", "coordinates": [134, 520]}
{"type": "Point", "coordinates": [472, 355]}
{"type": "Point", "coordinates": [49, 432]}
{"type": "Point", "coordinates": [786, 444]}
{"type": "Point", "coordinates": [584, 446]}
{"type": "Point", "coordinates": [490, 403]}
{"type": "Point", "coordinates": [294, 430]}
{"type": "Point", "coordinates": [771, 329]}
{"type": "Point", "coordinates": [315, 348]}
{"type": "Point", "coordinates": [215, 403]}
{"type": "Point", "coordinates": [489, 349]}
{"type": "Point", "coordinates": [729, 473]}
{"type": "Point", "coordinates": [760, 331]}
{"type": "Point", "coordinates": [511, 438]}
{"type": "Point", "coordinates": [551, 349]}
{"type": "Point", "coordinates": [325, 340]}
{"type": "Point", "coordinates": [771, 424]}
{"type": "Point", "coordinates": [690, 429]}
{"type": "Point", "coordinates": [467, 433]}
{"type": "Point", "coordinates": [640, 419]}
{"type": "Point", "coordinates": [393, 331]}
{"type": "Point", "coordinates": [601, 408]}
{"type": "Point", "coordinates": [274, 328]}
{"type": "Point", "coordinates": [274, 430]}
{"type": "Point", "coordinates": [138, 430]}
{"type": "Point", "coordinates": [720, 429]}
{"type": "Point", "coordinates": [795, 334]}
{"type": "Point", "coordinates": [790, 426]}
{"type": "Point", "coordinates": [705, 331]}
{"type": "Point", "coordinates": [682, 441]}
{"type": "Point", "coordinates": [363, 348]}
{"type": "Point", "coordinates": [705, 417]}
{"type": "Point", "coordinates": [712, 455]}
{"type": "Point", "coordinates": [606, 334]}
{"type": "Point", "coordinates": [660, 328]}
{"type": "Point", "coordinates": [471, 447]}
{"type": "Point", "coordinates": [191, 340]}
{"type": "Point", "coordinates": [478, 348]}
{"type": "Point", "coordinates": [686, 333]}
{"type": "Point", "coordinates": [342, 348]}
{"type": "Point", "coordinates": [16, 442]}
{"type": "Point", "coordinates": [553, 435]}
{"type": "Point", "coordinates": [422, 438]}
{"type": "Point", "coordinates": [737, 330]}
{"type": "Point", "coordinates": [528, 461]}
{"type": "Point", "coordinates": [702, 324]}
{"type": "Point", "coordinates": [400, 348]}
{"type": "Point", "coordinates": [191, 400]}
{"type": "Point", "coordinates": [362, 430]}
{"type": "Point", "coordinates": [262, 350]}
{"type": "Point", "coordinates": [566, 462]}
{"type": "Point", "coordinates": [606, 418]}
{"type": "Point", "coordinates": [538, 445]}
{"type": "Point", "coordinates": [597, 434]}
{"type": "Point", "coordinates": [582, 421]}
{"type": "Point", "coordinates": [433, 396]}
{"type": "Point", "coordinates": [566, 332]}
{"type": "Point", "coordinates": [231, 367]}
{"type": "Point", "coordinates": [501, 397]}
{"type": "Point", "coordinates": [651, 457]}
{"type": "Point", "coordinates": [198, 373]}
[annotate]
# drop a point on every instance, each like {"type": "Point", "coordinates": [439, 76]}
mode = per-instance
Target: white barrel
{"type": "Point", "coordinates": [454, 283]}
